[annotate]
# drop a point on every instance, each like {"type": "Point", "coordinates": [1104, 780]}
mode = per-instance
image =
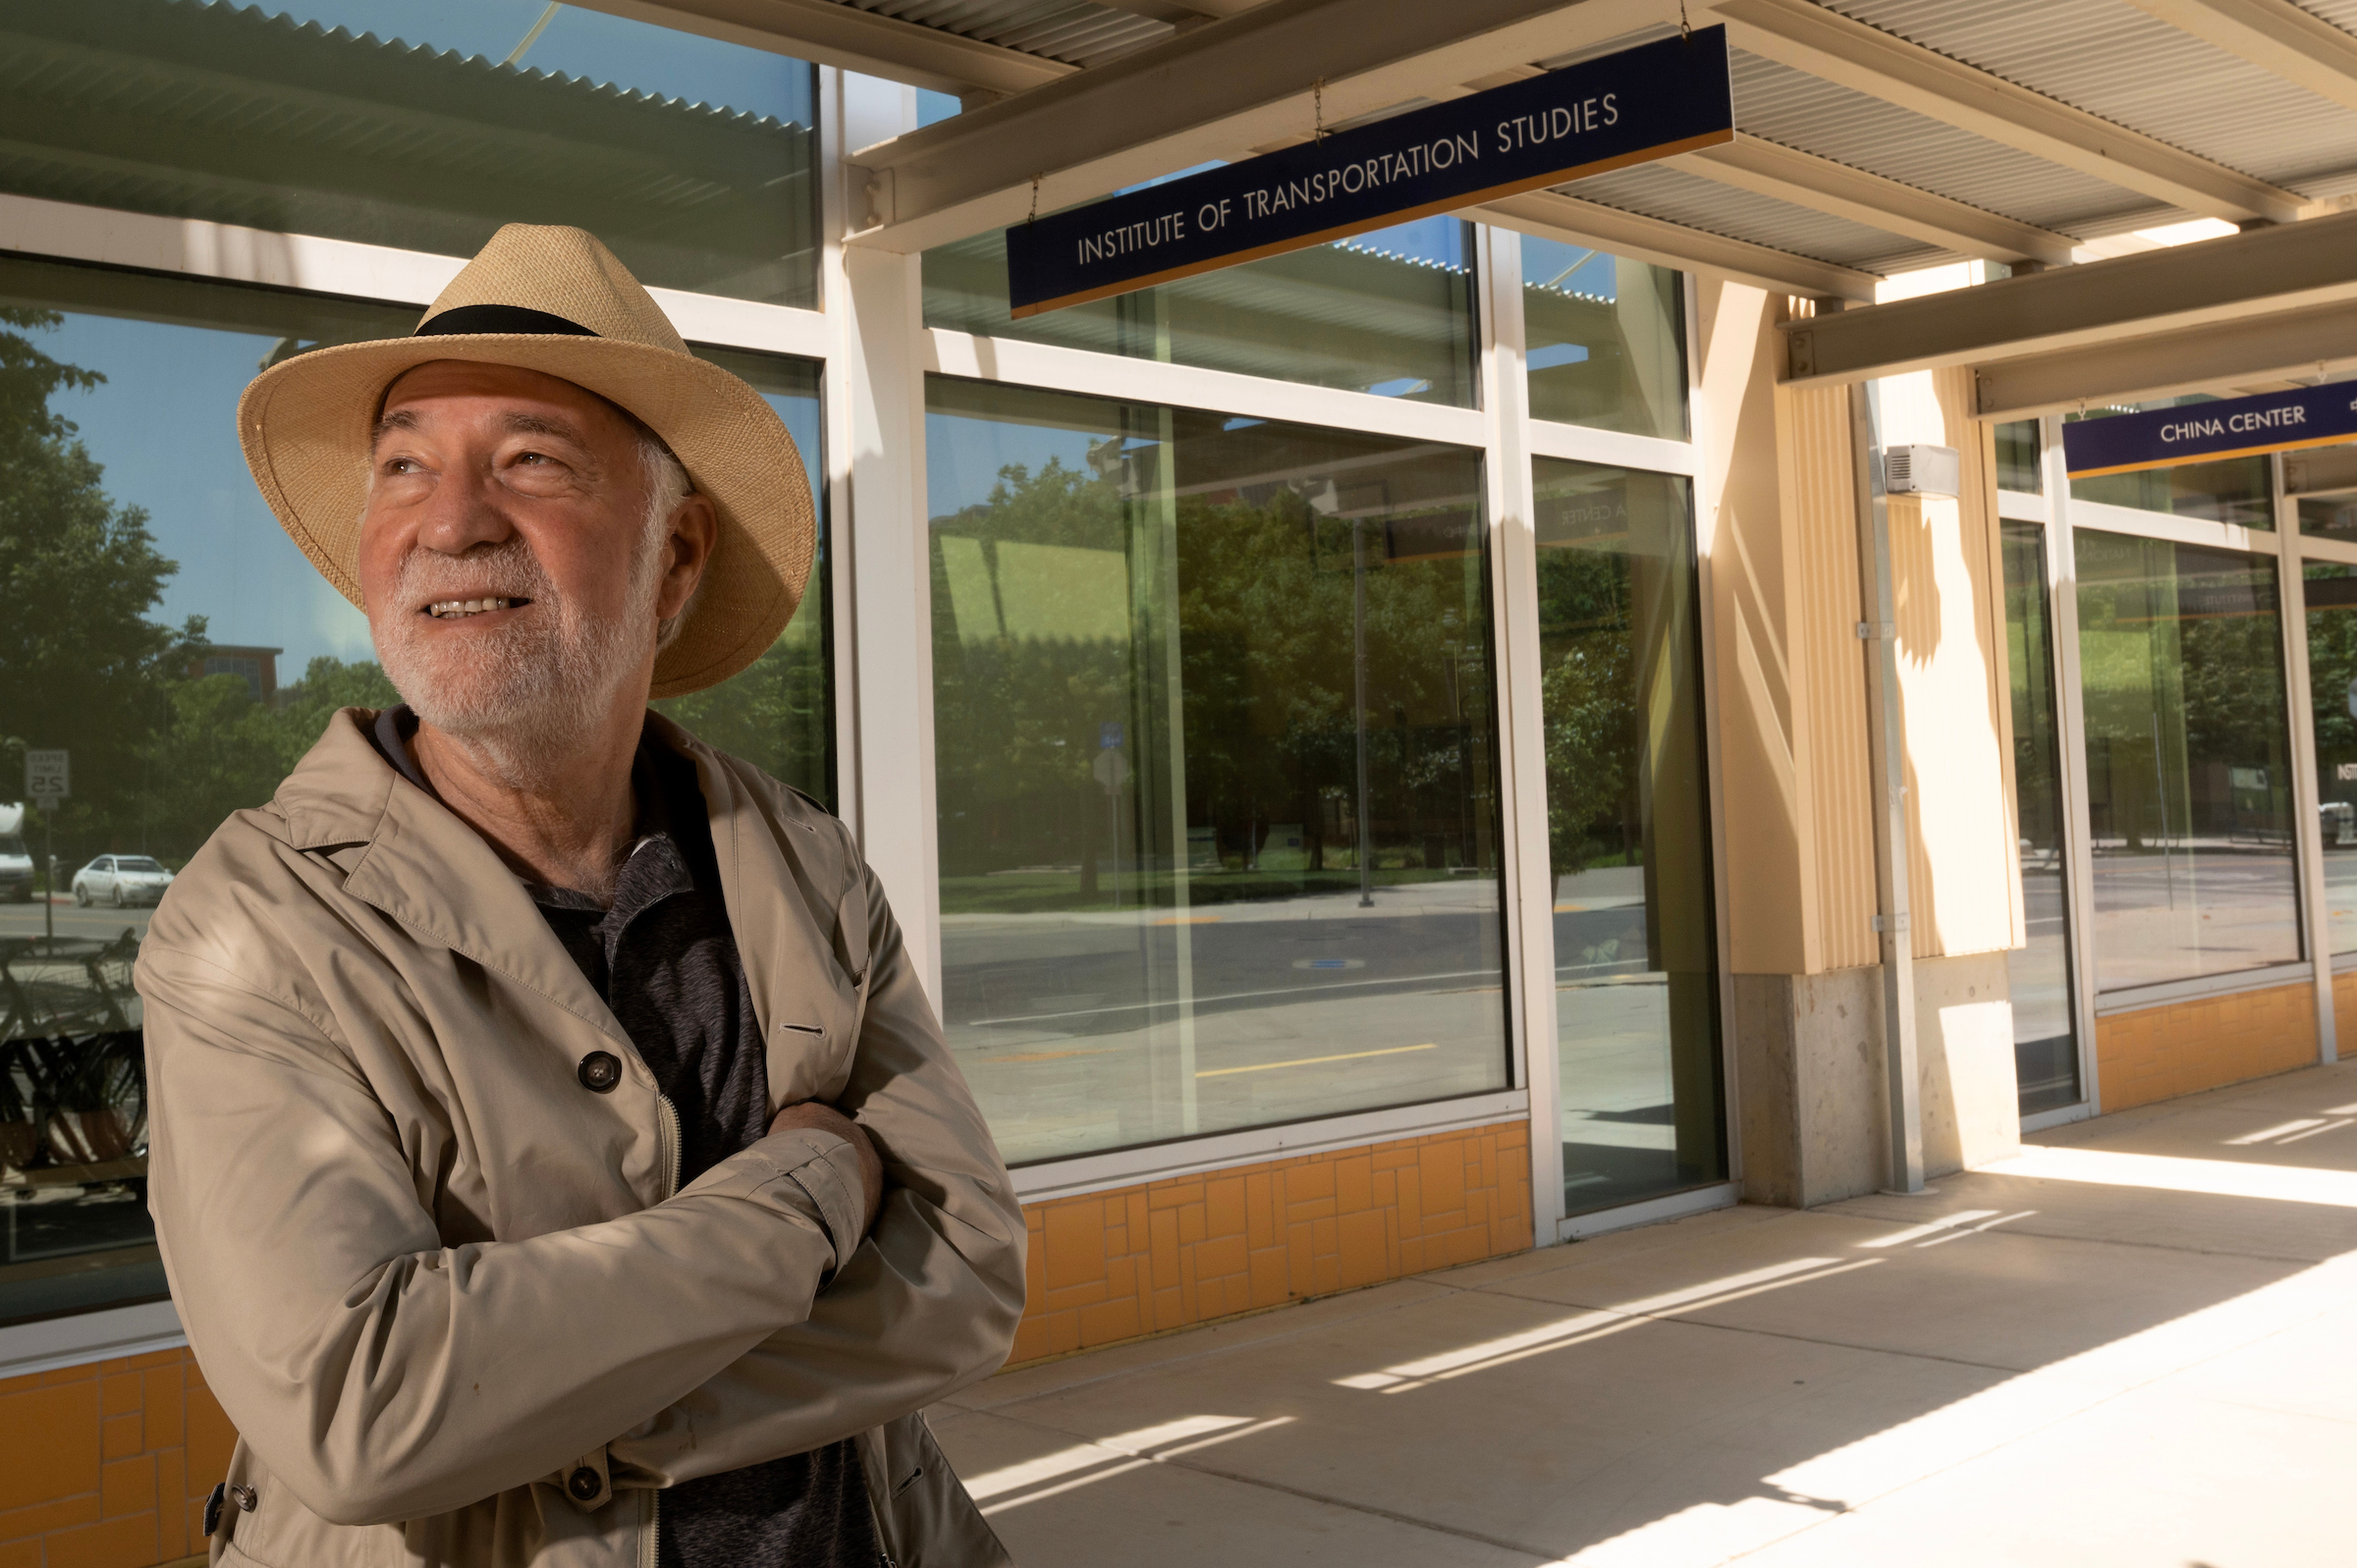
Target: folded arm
{"type": "Point", "coordinates": [928, 1306]}
{"type": "Point", "coordinates": [383, 1376]}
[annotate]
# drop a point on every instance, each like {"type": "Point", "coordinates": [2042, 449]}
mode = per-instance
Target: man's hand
{"type": "Point", "coordinates": [825, 1118]}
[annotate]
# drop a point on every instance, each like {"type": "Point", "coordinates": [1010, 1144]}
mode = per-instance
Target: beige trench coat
{"type": "Point", "coordinates": [433, 1278]}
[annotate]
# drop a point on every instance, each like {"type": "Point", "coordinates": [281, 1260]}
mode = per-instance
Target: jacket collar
{"type": "Point", "coordinates": [426, 869]}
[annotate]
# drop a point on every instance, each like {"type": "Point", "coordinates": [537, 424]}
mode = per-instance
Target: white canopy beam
{"type": "Point", "coordinates": [2262, 273]}
{"type": "Point", "coordinates": [2227, 355]}
{"type": "Point", "coordinates": [2278, 36]}
{"type": "Point", "coordinates": [1823, 42]}
{"type": "Point", "coordinates": [1553, 215]}
{"type": "Point", "coordinates": [1211, 93]}
{"type": "Point", "coordinates": [1770, 169]}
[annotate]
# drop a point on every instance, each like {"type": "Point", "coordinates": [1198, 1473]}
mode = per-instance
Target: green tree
{"type": "Point", "coordinates": [775, 714]}
{"type": "Point", "coordinates": [80, 666]}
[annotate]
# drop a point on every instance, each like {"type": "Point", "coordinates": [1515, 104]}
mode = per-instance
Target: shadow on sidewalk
{"type": "Point", "coordinates": [1695, 1391]}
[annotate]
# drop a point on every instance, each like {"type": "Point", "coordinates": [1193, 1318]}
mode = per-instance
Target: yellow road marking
{"type": "Point", "coordinates": [1188, 920]}
{"type": "Point", "coordinates": [1311, 1062]}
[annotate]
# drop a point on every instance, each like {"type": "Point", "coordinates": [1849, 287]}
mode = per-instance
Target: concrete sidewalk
{"type": "Point", "coordinates": [2137, 1344]}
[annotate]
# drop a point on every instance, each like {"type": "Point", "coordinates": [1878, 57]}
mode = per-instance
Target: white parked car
{"type": "Point", "coordinates": [121, 880]}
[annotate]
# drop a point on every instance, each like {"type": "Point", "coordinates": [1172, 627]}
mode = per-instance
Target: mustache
{"type": "Point", "coordinates": [508, 570]}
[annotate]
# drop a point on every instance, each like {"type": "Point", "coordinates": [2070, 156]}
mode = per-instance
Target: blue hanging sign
{"type": "Point", "coordinates": [2205, 432]}
{"type": "Point", "coordinates": [1654, 101]}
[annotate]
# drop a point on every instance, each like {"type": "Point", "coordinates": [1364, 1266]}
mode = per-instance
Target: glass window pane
{"type": "Point", "coordinates": [2046, 1052]}
{"type": "Point", "coordinates": [1216, 784]}
{"type": "Point", "coordinates": [402, 123]}
{"type": "Point", "coordinates": [165, 632]}
{"type": "Point", "coordinates": [2189, 792]}
{"type": "Point", "coordinates": [779, 715]}
{"type": "Point", "coordinates": [1628, 834]}
{"type": "Point", "coordinates": [2332, 594]}
{"type": "Point", "coordinates": [2017, 465]}
{"type": "Point", "coordinates": [2236, 489]}
{"type": "Point", "coordinates": [1604, 340]}
{"type": "Point", "coordinates": [1388, 313]}
{"type": "Point", "coordinates": [2329, 516]}
{"type": "Point", "coordinates": [2324, 481]}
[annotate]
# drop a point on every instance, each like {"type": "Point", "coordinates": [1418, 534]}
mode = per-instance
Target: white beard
{"type": "Point", "coordinates": [525, 697]}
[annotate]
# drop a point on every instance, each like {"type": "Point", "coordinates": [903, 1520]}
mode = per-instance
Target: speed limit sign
{"type": "Point", "coordinates": [48, 778]}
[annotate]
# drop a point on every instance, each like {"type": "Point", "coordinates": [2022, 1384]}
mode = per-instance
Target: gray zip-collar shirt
{"type": "Point", "coordinates": [664, 958]}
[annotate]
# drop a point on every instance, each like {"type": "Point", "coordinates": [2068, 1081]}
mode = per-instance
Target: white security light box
{"type": "Point", "coordinates": [1922, 470]}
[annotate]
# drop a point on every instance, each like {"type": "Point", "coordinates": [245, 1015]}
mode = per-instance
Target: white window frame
{"type": "Point", "coordinates": [860, 330]}
{"type": "Point", "coordinates": [2061, 515]}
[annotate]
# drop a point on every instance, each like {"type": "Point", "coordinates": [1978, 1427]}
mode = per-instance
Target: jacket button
{"type": "Point", "coordinates": [584, 1483]}
{"type": "Point", "coordinates": [600, 1070]}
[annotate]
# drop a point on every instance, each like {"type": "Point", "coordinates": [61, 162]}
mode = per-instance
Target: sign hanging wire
{"type": "Point", "coordinates": [1034, 218]}
{"type": "Point", "coordinates": [1685, 29]}
{"type": "Point", "coordinates": [1317, 105]}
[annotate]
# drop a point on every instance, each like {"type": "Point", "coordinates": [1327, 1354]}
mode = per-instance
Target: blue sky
{"type": "Point", "coordinates": [162, 426]}
{"type": "Point", "coordinates": [963, 456]}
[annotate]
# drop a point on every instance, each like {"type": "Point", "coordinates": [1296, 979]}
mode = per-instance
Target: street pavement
{"type": "Point", "coordinates": [2128, 1347]}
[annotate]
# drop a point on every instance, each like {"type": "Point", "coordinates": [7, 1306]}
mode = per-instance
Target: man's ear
{"type": "Point", "coordinates": [694, 534]}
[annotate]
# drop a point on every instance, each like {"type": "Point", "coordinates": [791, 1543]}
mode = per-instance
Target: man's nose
{"type": "Point", "coordinates": [462, 512]}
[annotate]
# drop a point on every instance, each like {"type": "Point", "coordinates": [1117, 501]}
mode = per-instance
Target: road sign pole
{"type": "Point", "coordinates": [48, 784]}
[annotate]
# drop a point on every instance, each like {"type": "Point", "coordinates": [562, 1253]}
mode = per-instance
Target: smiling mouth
{"type": "Point", "coordinates": [461, 609]}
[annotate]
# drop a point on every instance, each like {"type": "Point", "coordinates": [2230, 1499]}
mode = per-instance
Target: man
{"type": "Point", "coordinates": [554, 1156]}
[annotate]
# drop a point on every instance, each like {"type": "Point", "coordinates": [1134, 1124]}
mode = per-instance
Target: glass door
{"type": "Point", "coordinates": [1628, 834]}
{"type": "Point", "coordinates": [2045, 1049]}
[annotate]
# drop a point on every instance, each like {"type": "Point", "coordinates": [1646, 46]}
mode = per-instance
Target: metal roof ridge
{"type": "Point", "coordinates": [235, 13]}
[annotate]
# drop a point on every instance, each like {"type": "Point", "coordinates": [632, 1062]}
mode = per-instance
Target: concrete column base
{"type": "Point", "coordinates": [1809, 1075]}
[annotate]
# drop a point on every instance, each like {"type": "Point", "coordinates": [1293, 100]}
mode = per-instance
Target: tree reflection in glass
{"type": "Point", "coordinates": [2188, 782]}
{"type": "Point", "coordinates": [1628, 834]}
{"type": "Point", "coordinates": [1212, 707]}
{"type": "Point", "coordinates": [135, 553]}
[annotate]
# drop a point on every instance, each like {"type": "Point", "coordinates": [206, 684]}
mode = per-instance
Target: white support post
{"type": "Point", "coordinates": [835, 449]}
{"type": "Point", "coordinates": [2308, 828]}
{"type": "Point", "coordinates": [1528, 881]}
{"type": "Point", "coordinates": [2070, 735]}
{"type": "Point", "coordinates": [882, 535]}
{"type": "Point", "coordinates": [1886, 748]}
{"type": "Point", "coordinates": [1730, 1088]}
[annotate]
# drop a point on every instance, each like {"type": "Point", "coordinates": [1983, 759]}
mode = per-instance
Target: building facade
{"type": "Point", "coordinates": [1388, 755]}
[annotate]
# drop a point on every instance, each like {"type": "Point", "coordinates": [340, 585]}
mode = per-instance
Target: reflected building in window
{"type": "Point", "coordinates": [1628, 834]}
{"type": "Point", "coordinates": [1217, 777]}
{"type": "Point", "coordinates": [2188, 761]}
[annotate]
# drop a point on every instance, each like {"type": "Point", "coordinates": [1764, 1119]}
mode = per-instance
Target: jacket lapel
{"type": "Point", "coordinates": [428, 869]}
{"type": "Point", "coordinates": [783, 920]}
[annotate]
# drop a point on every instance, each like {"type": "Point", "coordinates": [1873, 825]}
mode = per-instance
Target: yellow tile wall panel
{"type": "Point", "coordinates": [2183, 1047]}
{"type": "Point", "coordinates": [1262, 1235]}
{"type": "Point", "coordinates": [108, 1465]}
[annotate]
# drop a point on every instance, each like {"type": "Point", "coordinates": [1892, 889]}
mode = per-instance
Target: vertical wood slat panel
{"type": "Point", "coordinates": [1820, 508]}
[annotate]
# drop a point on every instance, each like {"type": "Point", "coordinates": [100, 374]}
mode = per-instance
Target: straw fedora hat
{"type": "Point", "coordinates": [556, 300]}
